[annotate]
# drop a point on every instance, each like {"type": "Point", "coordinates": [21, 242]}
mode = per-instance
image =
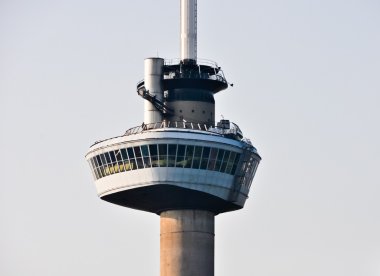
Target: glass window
{"type": "Point", "coordinates": [98, 160]}
{"type": "Point", "coordinates": [98, 173]}
{"type": "Point", "coordinates": [212, 161]}
{"type": "Point", "coordinates": [93, 163]}
{"type": "Point", "coordinates": [96, 163]}
{"type": "Point", "coordinates": [121, 166]}
{"type": "Point", "coordinates": [145, 151]}
{"type": "Point", "coordinates": [101, 171]}
{"type": "Point", "coordinates": [140, 164]}
{"type": "Point", "coordinates": [137, 152]}
{"type": "Point", "coordinates": [106, 170]}
{"type": "Point", "coordinates": [225, 161]}
{"type": "Point", "coordinates": [197, 157]}
{"type": "Point", "coordinates": [255, 165]}
{"type": "Point", "coordinates": [93, 167]}
{"type": "Point", "coordinates": [154, 155]}
{"type": "Point", "coordinates": [230, 162]}
{"type": "Point", "coordinates": [153, 149]}
{"type": "Point", "coordinates": [116, 167]}
{"type": "Point", "coordinates": [146, 156]}
{"type": "Point", "coordinates": [95, 174]}
{"type": "Point", "coordinates": [205, 157]}
{"type": "Point", "coordinates": [127, 165]}
{"type": "Point", "coordinates": [132, 164]}
{"type": "Point", "coordinates": [249, 166]}
{"type": "Point", "coordinates": [131, 154]}
{"type": "Point", "coordinates": [103, 158]}
{"type": "Point", "coordinates": [110, 167]}
{"type": "Point", "coordinates": [219, 159]}
{"type": "Point", "coordinates": [112, 155]}
{"type": "Point", "coordinates": [132, 160]}
{"type": "Point", "coordinates": [172, 155]}
{"type": "Point", "coordinates": [124, 154]}
{"type": "Point", "coordinates": [189, 156]}
{"type": "Point", "coordinates": [118, 155]}
{"type": "Point", "coordinates": [235, 163]}
{"type": "Point", "coordinates": [163, 154]}
{"type": "Point", "coordinates": [180, 156]}
{"type": "Point", "coordinates": [172, 151]}
{"type": "Point", "coordinates": [139, 160]}
{"type": "Point", "coordinates": [255, 169]}
{"type": "Point", "coordinates": [107, 157]}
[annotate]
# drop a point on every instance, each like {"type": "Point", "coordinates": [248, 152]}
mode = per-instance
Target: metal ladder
{"type": "Point", "coordinates": [161, 106]}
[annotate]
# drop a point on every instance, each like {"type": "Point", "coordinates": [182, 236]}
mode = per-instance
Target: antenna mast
{"type": "Point", "coordinates": [188, 30]}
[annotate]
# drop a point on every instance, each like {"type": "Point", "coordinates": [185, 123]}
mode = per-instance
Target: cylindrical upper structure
{"type": "Point", "coordinates": [153, 75]}
{"type": "Point", "coordinates": [188, 30]}
{"type": "Point", "coordinates": [187, 243]}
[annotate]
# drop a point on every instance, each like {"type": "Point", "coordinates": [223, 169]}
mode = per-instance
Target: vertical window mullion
{"type": "Point", "coordinates": [132, 158]}
{"type": "Point", "coordinates": [236, 161]}
{"type": "Point", "coordinates": [115, 163]}
{"type": "Point", "coordinates": [184, 157]}
{"type": "Point", "coordinates": [192, 158]}
{"type": "Point", "coordinates": [221, 161]}
{"type": "Point", "coordinates": [109, 163]}
{"type": "Point", "coordinates": [124, 155]}
{"type": "Point", "coordinates": [134, 153]}
{"type": "Point", "coordinates": [142, 157]}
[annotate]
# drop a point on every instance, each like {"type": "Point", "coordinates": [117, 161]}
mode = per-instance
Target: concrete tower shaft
{"type": "Point", "coordinates": [187, 243]}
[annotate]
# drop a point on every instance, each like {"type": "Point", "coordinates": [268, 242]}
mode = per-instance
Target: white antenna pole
{"type": "Point", "coordinates": [188, 30]}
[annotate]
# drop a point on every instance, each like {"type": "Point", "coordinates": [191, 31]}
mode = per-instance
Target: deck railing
{"type": "Point", "coordinates": [232, 133]}
{"type": "Point", "coordinates": [168, 124]}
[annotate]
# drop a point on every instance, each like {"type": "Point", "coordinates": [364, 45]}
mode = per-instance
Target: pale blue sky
{"type": "Point", "coordinates": [307, 92]}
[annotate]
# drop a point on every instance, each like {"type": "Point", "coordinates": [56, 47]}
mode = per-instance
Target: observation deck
{"type": "Point", "coordinates": [175, 165]}
{"type": "Point", "coordinates": [199, 74]}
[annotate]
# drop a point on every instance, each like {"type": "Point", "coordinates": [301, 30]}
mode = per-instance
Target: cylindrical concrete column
{"type": "Point", "coordinates": [153, 75]}
{"type": "Point", "coordinates": [187, 243]}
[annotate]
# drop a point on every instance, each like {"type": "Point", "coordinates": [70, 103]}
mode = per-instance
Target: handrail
{"type": "Point", "coordinates": [199, 61]}
{"type": "Point", "coordinates": [231, 133]}
{"type": "Point", "coordinates": [217, 75]}
{"type": "Point", "coordinates": [168, 124]}
{"type": "Point", "coordinates": [234, 132]}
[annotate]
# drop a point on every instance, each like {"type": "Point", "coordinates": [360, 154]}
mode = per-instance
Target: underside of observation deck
{"type": "Point", "coordinates": [160, 198]}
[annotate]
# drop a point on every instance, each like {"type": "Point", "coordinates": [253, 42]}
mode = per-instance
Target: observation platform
{"type": "Point", "coordinates": [200, 74]}
{"type": "Point", "coordinates": [175, 165]}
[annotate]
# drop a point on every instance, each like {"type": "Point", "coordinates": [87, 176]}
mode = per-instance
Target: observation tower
{"type": "Point", "coordinates": [179, 164]}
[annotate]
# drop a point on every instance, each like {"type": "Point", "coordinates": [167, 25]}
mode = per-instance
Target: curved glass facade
{"type": "Point", "coordinates": [164, 155]}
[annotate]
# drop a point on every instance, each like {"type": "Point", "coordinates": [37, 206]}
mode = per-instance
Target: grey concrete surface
{"type": "Point", "coordinates": [187, 243]}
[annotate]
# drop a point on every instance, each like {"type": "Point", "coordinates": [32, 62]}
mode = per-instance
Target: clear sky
{"type": "Point", "coordinates": [306, 91]}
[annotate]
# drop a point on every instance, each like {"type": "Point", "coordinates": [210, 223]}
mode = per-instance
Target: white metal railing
{"type": "Point", "coordinates": [232, 132]}
{"type": "Point", "coordinates": [168, 124]}
{"type": "Point", "coordinates": [217, 75]}
{"type": "Point", "coordinates": [199, 61]}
